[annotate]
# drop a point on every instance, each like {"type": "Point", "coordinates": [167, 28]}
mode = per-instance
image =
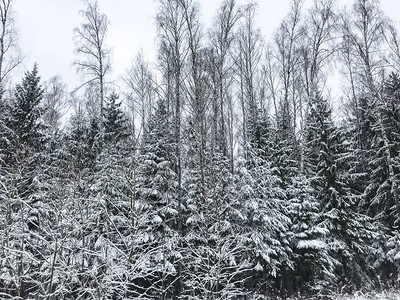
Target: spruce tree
{"type": "Point", "coordinates": [114, 122]}
{"type": "Point", "coordinates": [25, 110]}
{"type": "Point", "coordinates": [110, 205]}
{"type": "Point", "coordinates": [350, 233]}
{"type": "Point", "coordinates": [263, 202]}
{"type": "Point", "coordinates": [313, 265]}
{"type": "Point", "coordinates": [28, 211]}
{"type": "Point", "coordinates": [382, 190]}
{"type": "Point", "coordinates": [157, 199]}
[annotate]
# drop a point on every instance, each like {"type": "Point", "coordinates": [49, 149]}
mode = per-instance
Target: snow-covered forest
{"type": "Point", "coordinates": [227, 169]}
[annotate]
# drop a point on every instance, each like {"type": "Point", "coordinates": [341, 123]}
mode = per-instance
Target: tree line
{"type": "Point", "coordinates": [228, 170]}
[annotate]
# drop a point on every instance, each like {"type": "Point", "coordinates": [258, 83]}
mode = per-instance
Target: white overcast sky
{"type": "Point", "coordinates": [45, 29]}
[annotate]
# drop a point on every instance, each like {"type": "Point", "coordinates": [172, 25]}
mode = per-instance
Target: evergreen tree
{"type": "Point", "coordinates": [262, 198]}
{"type": "Point", "coordinates": [78, 142]}
{"type": "Point", "coordinates": [114, 122]}
{"type": "Point", "coordinates": [25, 110]}
{"type": "Point", "coordinates": [156, 196]}
{"type": "Point", "coordinates": [313, 265]}
{"type": "Point", "coordinates": [383, 190]}
{"type": "Point", "coordinates": [350, 233]}
{"type": "Point", "coordinates": [196, 219]}
{"type": "Point", "coordinates": [27, 208]}
{"type": "Point", "coordinates": [110, 203]}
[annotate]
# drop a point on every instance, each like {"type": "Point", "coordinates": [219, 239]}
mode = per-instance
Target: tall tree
{"type": "Point", "coordinates": [173, 32]}
{"type": "Point", "coordinates": [222, 37]}
{"type": "Point", "coordinates": [316, 51]}
{"type": "Point", "coordinates": [21, 169]}
{"type": "Point", "coordinates": [250, 47]}
{"type": "Point", "coordinates": [157, 195]}
{"type": "Point", "coordinates": [10, 57]}
{"type": "Point", "coordinates": [379, 198]}
{"type": "Point", "coordinates": [196, 85]}
{"type": "Point", "coordinates": [329, 160]}
{"type": "Point", "coordinates": [94, 62]}
{"type": "Point", "coordinates": [286, 40]}
{"type": "Point", "coordinates": [140, 81]}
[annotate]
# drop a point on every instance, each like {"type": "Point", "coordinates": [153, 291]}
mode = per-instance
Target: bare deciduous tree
{"type": "Point", "coordinates": [196, 85]}
{"type": "Point", "coordinates": [10, 56]}
{"type": "Point", "coordinates": [319, 44]}
{"type": "Point", "coordinates": [222, 37]}
{"type": "Point", "coordinates": [363, 33]}
{"type": "Point", "coordinates": [90, 46]}
{"type": "Point", "coordinates": [288, 58]}
{"type": "Point", "coordinates": [248, 62]}
{"type": "Point", "coordinates": [316, 50]}
{"type": "Point", "coordinates": [55, 101]}
{"type": "Point", "coordinates": [393, 41]}
{"type": "Point", "coordinates": [141, 92]}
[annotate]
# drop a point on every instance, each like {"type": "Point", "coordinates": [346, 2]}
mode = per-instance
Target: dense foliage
{"type": "Point", "coordinates": [231, 177]}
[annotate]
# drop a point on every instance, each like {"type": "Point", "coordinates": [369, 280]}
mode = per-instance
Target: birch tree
{"type": "Point", "coordinates": [140, 94]}
{"type": "Point", "coordinates": [248, 61]}
{"type": "Point", "coordinates": [286, 40]}
{"type": "Point", "coordinates": [55, 101]}
{"type": "Point", "coordinates": [10, 56]}
{"type": "Point", "coordinates": [94, 56]}
{"type": "Point", "coordinates": [222, 37]}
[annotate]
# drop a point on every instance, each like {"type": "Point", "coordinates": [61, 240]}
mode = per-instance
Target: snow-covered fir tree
{"type": "Point", "coordinates": [157, 199]}
{"type": "Point", "coordinates": [350, 233]}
